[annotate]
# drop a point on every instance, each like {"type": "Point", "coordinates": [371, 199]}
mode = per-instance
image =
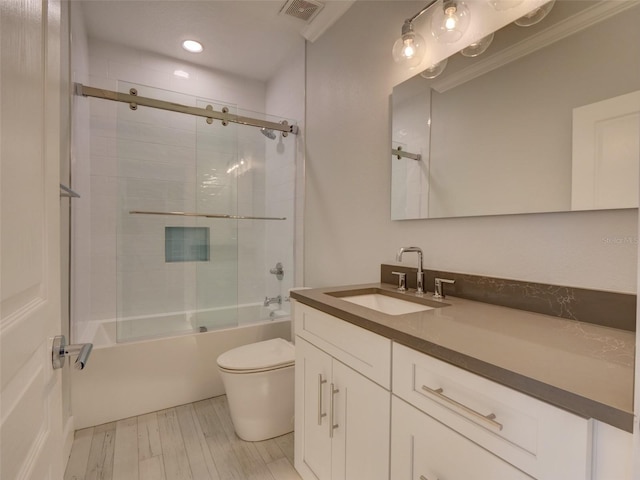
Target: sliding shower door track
{"type": "Point", "coordinates": [209, 113]}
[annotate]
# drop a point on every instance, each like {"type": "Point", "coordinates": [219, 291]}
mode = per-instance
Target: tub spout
{"type": "Point", "coordinates": [268, 301]}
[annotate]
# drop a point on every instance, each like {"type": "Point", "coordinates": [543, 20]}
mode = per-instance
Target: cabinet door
{"type": "Point", "coordinates": [361, 418]}
{"type": "Point", "coordinates": [313, 379]}
{"type": "Point", "coordinates": [424, 449]}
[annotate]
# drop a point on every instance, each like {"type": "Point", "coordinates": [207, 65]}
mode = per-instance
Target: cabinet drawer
{"type": "Point", "coordinates": [360, 349]}
{"type": "Point", "coordinates": [542, 440]}
{"type": "Point", "coordinates": [422, 448]}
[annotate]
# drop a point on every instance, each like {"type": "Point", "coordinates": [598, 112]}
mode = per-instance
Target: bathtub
{"type": "Point", "coordinates": [131, 378]}
{"type": "Point", "coordinates": [104, 333]}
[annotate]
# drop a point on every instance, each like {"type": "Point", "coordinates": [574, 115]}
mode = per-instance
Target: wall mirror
{"type": "Point", "coordinates": [546, 120]}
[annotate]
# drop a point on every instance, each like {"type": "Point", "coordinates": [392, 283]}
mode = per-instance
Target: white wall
{"type": "Point", "coordinates": [348, 231]}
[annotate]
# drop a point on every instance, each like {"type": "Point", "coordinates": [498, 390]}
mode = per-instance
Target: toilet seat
{"type": "Point", "coordinates": [258, 357]}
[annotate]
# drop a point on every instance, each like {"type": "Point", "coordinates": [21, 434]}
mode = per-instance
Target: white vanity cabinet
{"type": "Point", "coordinates": [423, 448]}
{"type": "Point", "coordinates": [543, 441]}
{"type": "Point", "coordinates": [369, 408]}
{"type": "Point", "coordinates": [343, 402]}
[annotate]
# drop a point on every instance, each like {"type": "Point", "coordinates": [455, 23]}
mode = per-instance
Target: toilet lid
{"type": "Point", "coordinates": [258, 356]}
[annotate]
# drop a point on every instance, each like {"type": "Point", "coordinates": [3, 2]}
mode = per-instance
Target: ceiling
{"type": "Point", "coordinates": [245, 37]}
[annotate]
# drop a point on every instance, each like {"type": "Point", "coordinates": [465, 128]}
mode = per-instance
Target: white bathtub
{"type": "Point", "coordinates": [132, 378]}
{"type": "Point", "coordinates": [104, 333]}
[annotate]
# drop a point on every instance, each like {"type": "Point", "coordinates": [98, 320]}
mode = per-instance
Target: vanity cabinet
{"type": "Point", "coordinates": [423, 448]}
{"type": "Point", "coordinates": [340, 408]}
{"type": "Point", "coordinates": [543, 441]}
{"type": "Point", "coordinates": [369, 408]}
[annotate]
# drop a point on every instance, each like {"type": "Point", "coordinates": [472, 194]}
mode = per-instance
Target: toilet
{"type": "Point", "coordinates": [258, 379]}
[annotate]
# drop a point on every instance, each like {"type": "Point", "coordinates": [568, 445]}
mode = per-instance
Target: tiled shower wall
{"type": "Point", "coordinates": [106, 282]}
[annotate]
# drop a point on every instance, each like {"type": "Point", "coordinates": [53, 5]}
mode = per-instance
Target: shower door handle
{"type": "Point", "coordinates": [60, 351]}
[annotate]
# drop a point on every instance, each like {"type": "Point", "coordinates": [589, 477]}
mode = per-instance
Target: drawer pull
{"type": "Point", "coordinates": [320, 414]}
{"type": "Point", "coordinates": [489, 419]}
{"type": "Point", "coordinates": [332, 426]}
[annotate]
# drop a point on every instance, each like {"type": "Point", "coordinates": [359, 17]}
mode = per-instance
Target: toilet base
{"type": "Point", "coordinates": [261, 404]}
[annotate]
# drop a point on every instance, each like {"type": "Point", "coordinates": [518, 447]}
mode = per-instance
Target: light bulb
{"type": "Point", "coordinates": [434, 70]}
{"type": "Point", "coordinates": [477, 48]}
{"type": "Point", "coordinates": [409, 49]}
{"type": "Point", "coordinates": [536, 15]}
{"type": "Point", "coordinates": [449, 23]}
{"type": "Point", "coordinates": [451, 19]}
{"type": "Point", "coordinates": [504, 4]}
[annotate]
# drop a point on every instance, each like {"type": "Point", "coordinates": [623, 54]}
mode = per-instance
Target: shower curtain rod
{"type": "Point", "coordinates": [205, 215]}
{"type": "Point", "coordinates": [209, 113]}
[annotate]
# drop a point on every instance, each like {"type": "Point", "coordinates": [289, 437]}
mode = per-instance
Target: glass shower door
{"type": "Point", "coordinates": [217, 168]}
{"type": "Point", "coordinates": [172, 268]}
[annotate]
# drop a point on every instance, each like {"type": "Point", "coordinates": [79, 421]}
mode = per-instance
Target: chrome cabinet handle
{"type": "Point", "coordinates": [332, 426]}
{"type": "Point", "coordinates": [488, 419]}
{"type": "Point", "coordinates": [320, 414]}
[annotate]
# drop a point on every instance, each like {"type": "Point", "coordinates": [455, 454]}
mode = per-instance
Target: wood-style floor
{"type": "Point", "coordinates": [189, 442]}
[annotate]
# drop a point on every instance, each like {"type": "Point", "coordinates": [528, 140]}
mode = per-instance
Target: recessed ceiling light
{"type": "Point", "coordinates": [192, 46]}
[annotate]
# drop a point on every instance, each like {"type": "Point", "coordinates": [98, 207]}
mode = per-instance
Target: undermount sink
{"type": "Point", "coordinates": [386, 304]}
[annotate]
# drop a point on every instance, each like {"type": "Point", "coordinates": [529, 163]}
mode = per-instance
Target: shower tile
{"type": "Point", "coordinates": [103, 126]}
{"type": "Point", "coordinates": [104, 108]}
{"type": "Point", "coordinates": [103, 288]}
{"type": "Point", "coordinates": [128, 262]}
{"type": "Point", "coordinates": [106, 83]}
{"type": "Point", "coordinates": [143, 76]}
{"type": "Point", "coordinates": [103, 165]}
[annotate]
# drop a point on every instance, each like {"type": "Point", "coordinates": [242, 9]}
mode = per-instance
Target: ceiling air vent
{"type": "Point", "coordinates": [302, 9]}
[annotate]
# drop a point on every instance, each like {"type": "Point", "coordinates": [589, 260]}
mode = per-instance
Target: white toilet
{"type": "Point", "coordinates": [258, 379]}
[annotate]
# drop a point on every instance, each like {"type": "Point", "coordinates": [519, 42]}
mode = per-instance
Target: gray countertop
{"type": "Point", "coordinates": [583, 368]}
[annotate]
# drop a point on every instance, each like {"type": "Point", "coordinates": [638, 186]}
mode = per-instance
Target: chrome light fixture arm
{"type": "Point", "coordinates": [410, 20]}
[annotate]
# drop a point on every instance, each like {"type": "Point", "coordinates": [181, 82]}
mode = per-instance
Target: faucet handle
{"type": "Point", "coordinates": [439, 288]}
{"type": "Point", "coordinates": [402, 281]}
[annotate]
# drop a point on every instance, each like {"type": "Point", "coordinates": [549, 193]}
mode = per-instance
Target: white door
{"type": "Point", "coordinates": [30, 394]}
{"type": "Point", "coordinates": [605, 152]}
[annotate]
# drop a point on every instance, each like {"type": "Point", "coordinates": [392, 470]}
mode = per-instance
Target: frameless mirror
{"type": "Point", "coordinates": [546, 120]}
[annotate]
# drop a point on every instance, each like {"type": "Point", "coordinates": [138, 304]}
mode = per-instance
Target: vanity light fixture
{"type": "Point", "coordinates": [410, 48]}
{"type": "Point", "coordinates": [450, 23]}
{"type": "Point", "coordinates": [434, 70]}
{"type": "Point", "coordinates": [504, 4]}
{"type": "Point", "coordinates": [477, 48]}
{"type": "Point", "coordinates": [192, 46]}
{"type": "Point", "coordinates": [536, 15]}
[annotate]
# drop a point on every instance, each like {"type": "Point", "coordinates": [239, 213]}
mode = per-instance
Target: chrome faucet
{"type": "Point", "coordinates": [420, 277]}
{"type": "Point", "coordinates": [268, 301]}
